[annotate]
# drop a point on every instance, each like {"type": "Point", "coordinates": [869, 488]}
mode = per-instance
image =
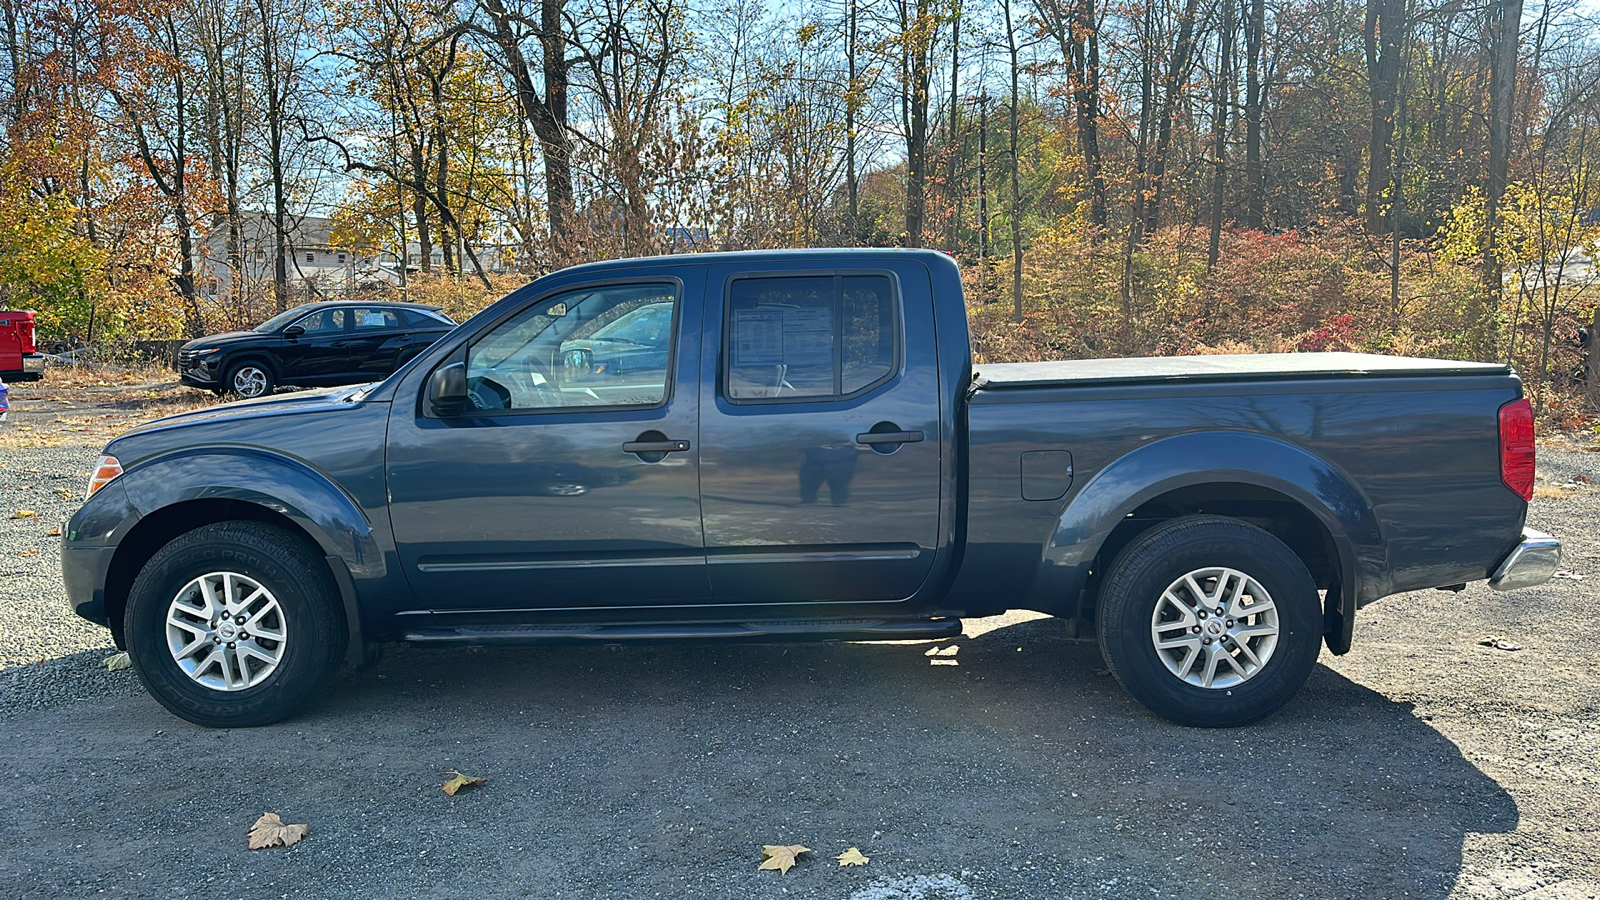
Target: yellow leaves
{"type": "Point", "coordinates": [852, 857]}
{"type": "Point", "coordinates": [24, 514]}
{"type": "Point", "coordinates": [781, 857]}
{"type": "Point", "coordinates": [53, 532]}
{"type": "Point", "coordinates": [29, 553]}
{"type": "Point", "coordinates": [116, 662]}
{"type": "Point", "coordinates": [269, 831]}
{"type": "Point", "coordinates": [457, 781]}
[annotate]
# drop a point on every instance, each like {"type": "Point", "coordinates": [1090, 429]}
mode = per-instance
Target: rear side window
{"type": "Point", "coordinates": [376, 319]}
{"type": "Point", "coordinates": [809, 337]}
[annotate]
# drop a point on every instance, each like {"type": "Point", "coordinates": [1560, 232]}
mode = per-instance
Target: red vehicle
{"type": "Point", "coordinates": [19, 357]}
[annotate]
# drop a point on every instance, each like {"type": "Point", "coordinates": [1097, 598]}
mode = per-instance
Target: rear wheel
{"type": "Point", "coordinates": [234, 624]}
{"type": "Point", "coordinates": [1209, 621]}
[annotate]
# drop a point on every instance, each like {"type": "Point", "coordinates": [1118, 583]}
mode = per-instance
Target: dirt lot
{"type": "Point", "coordinates": [1423, 764]}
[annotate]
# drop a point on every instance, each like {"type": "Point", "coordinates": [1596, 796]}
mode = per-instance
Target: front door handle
{"type": "Point", "coordinates": [889, 437]}
{"type": "Point", "coordinates": [668, 446]}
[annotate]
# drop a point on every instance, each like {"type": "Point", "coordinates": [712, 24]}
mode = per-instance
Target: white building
{"type": "Point", "coordinates": [316, 265]}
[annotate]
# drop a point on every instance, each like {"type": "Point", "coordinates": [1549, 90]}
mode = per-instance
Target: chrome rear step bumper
{"type": "Point", "coordinates": [1533, 562]}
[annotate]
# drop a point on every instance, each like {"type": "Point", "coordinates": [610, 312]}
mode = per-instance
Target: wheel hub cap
{"type": "Point", "coordinates": [226, 631]}
{"type": "Point", "coordinates": [1215, 627]}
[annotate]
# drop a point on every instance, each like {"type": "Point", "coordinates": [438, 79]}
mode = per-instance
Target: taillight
{"type": "Point", "coordinates": [1516, 447]}
{"type": "Point", "coordinates": [104, 472]}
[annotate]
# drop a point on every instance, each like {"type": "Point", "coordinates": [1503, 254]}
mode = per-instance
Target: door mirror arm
{"type": "Point", "coordinates": [447, 391]}
{"type": "Point", "coordinates": [293, 331]}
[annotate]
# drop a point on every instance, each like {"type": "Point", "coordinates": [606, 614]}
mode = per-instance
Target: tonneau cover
{"type": "Point", "coordinates": [1235, 367]}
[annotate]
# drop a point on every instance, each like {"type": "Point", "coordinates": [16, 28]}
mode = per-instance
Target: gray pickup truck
{"type": "Point", "coordinates": [796, 446]}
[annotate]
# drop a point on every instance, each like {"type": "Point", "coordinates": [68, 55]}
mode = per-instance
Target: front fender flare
{"type": "Point", "coordinates": [282, 484]}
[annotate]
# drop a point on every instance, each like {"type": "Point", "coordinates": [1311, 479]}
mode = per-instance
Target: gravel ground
{"type": "Point", "coordinates": [1423, 764]}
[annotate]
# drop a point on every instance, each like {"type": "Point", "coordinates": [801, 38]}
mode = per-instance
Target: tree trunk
{"type": "Point", "coordinates": [547, 114]}
{"type": "Point", "coordinates": [1507, 21]}
{"type": "Point", "coordinates": [915, 88]}
{"type": "Point", "coordinates": [1384, 35]}
{"type": "Point", "coordinates": [1221, 98]}
{"type": "Point", "coordinates": [1016, 195]}
{"type": "Point", "coordinates": [1255, 30]}
{"type": "Point", "coordinates": [1177, 76]}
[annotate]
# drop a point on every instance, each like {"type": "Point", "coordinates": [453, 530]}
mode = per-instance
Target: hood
{"type": "Point", "coordinates": [226, 337]}
{"type": "Point", "coordinates": [329, 401]}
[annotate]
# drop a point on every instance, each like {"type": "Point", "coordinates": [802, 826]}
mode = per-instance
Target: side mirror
{"type": "Point", "coordinates": [447, 390]}
{"type": "Point", "coordinates": [293, 331]}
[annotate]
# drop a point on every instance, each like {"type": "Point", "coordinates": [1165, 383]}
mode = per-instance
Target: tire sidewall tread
{"type": "Point", "coordinates": [1151, 562]}
{"type": "Point", "coordinates": [295, 575]}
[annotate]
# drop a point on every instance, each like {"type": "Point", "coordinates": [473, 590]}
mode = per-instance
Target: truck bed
{"type": "Point", "coordinates": [1241, 367]}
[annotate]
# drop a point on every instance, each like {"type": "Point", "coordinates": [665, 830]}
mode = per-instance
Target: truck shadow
{"type": "Point", "coordinates": [1011, 748]}
{"type": "Point", "coordinates": [658, 771]}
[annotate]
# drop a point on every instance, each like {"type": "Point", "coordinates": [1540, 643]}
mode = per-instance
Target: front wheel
{"type": "Point", "coordinates": [1209, 621]}
{"type": "Point", "coordinates": [234, 624]}
{"type": "Point", "coordinates": [250, 380]}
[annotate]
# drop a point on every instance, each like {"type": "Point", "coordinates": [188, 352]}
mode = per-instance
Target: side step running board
{"type": "Point", "coordinates": [777, 630]}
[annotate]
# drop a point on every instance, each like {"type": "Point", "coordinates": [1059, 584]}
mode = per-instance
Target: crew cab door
{"type": "Point", "coordinates": [320, 350]}
{"type": "Point", "coordinates": [567, 486]}
{"type": "Point", "coordinates": [820, 440]}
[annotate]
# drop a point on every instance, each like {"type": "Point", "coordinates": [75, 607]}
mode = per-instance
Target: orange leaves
{"type": "Point", "coordinates": [457, 781]}
{"type": "Point", "coordinates": [781, 857]}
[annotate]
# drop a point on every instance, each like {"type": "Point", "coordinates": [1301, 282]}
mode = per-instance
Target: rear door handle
{"type": "Point", "coordinates": [657, 446]}
{"type": "Point", "coordinates": [889, 437]}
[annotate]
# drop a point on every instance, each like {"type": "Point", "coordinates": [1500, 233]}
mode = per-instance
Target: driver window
{"type": "Point", "coordinates": [594, 347]}
{"type": "Point", "coordinates": [326, 321]}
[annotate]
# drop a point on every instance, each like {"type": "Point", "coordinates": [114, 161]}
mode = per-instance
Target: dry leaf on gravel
{"type": "Point", "coordinates": [457, 781]}
{"type": "Point", "coordinates": [1500, 643]}
{"type": "Point", "coordinates": [781, 857]}
{"type": "Point", "coordinates": [30, 552]}
{"type": "Point", "coordinates": [116, 662]}
{"type": "Point", "coordinates": [852, 857]}
{"type": "Point", "coordinates": [269, 831]}
{"type": "Point", "coordinates": [54, 532]}
{"type": "Point", "coordinates": [24, 514]}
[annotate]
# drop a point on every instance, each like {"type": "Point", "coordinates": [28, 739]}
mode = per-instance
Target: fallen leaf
{"type": "Point", "coordinates": [54, 532]}
{"type": "Point", "coordinates": [781, 857]}
{"type": "Point", "coordinates": [1500, 643]}
{"type": "Point", "coordinates": [269, 831]}
{"type": "Point", "coordinates": [852, 857]}
{"type": "Point", "coordinates": [31, 551]}
{"type": "Point", "coordinates": [457, 781]}
{"type": "Point", "coordinates": [1102, 672]}
{"type": "Point", "coordinates": [23, 514]}
{"type": "Point", "coordinates": [116, 662]}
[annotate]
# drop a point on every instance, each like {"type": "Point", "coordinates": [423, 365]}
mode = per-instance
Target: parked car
{"type": "Point", "coordinates": [20, 359]}
{"type": "Point", "coordinates": [315, 345]}
{"type": "Point", "coordinates": [804, 451]}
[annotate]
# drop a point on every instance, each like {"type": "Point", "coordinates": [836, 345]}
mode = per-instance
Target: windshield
{"type": "Point", "coordinates": [282, 319]}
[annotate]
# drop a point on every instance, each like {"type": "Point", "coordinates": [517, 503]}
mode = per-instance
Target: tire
{"type": "Point", "coordinates": [1263, 654]}
{"type": "Point", "coordinates": [234, 674]}
{"type": "Point", "coordinates": [250, 379]}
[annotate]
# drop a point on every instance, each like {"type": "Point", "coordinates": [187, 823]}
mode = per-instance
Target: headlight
{"type": "Point", "coordinates": [107, 470]}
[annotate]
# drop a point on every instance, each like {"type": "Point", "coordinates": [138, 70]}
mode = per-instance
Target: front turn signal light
{"type": "Point", "coordinates": [107, 470]}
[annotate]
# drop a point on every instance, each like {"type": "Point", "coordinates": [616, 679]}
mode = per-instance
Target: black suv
{"type": "Point", "coordinates": [315, 345]}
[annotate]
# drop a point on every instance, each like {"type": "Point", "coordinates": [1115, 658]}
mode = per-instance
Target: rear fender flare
{"type": "Point", "coordinates": [1215, 457]}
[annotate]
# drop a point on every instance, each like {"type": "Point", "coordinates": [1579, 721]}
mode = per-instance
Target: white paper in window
{"type": "Point", "coordinates": [808, 336]}
{"type": "Point", "coordinates": [758, 337]}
